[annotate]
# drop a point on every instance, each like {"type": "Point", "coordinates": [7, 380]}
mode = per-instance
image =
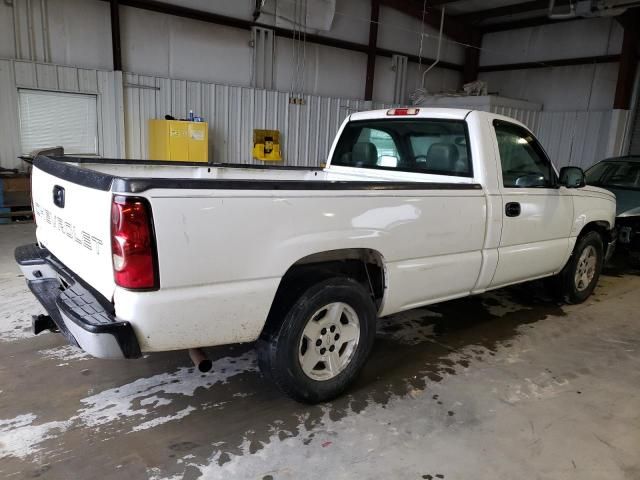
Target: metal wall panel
{"type": "Point", "coordinates": [307, 131]}
{"type": "Point", "coordinates": [233, 112]}
{"type": "Point", "coordinates": [578, 138]}
{"type": "Point", "coordinates": [107, 85]}
{"type": "Point", "coordinates": [574, 138]}
{"type": "Point", "coordinates": [9, 134]}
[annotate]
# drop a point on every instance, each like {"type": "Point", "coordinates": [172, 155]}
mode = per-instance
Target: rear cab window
{"type": "Point", "coordinates": [421, 145]}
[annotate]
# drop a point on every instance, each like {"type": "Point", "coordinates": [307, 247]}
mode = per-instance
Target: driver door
{"type": "Point", "coordinates": [537, 215]}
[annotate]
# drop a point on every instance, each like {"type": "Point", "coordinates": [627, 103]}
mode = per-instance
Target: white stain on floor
{"type": "Point", "coordinates": [19, 437]}
{"type": "Point", "coordinates": [129, 408]}
{"type": "Point", "coordinates": [382, 434]}
{"type": "Point", "coordinates": [116, 404]}
{"type": "Point", "coordinates": [65, 353]}
{"type": "Point", "coordinates": [17, 305]}
{"type": "Point", "coordinates": [161, 420]}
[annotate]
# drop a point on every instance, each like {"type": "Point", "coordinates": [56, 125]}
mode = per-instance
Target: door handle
{"type": "Point", "coordinates": [512, 209]}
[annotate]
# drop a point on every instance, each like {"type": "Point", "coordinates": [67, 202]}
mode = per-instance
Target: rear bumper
{"type": "Point", "coordinates": [82, 315]}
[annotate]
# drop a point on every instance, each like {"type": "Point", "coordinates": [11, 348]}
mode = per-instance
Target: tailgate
{"type": "Point", "coordinates": [74, 223]}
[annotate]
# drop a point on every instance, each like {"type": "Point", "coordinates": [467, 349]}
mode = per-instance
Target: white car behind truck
{"type": "Point", "coordinates": [415, 206]}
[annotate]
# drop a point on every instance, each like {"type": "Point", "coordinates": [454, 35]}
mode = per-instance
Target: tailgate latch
{"type": "Point", "coordinates": [58, 196]}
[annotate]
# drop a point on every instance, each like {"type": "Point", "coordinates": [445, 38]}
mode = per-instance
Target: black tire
{"type": "Point", "coordinates": [278, 347]}
{"type": "Point", "coordinates": [566, 281]}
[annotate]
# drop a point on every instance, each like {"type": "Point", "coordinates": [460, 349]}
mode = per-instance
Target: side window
{"type": "Point", "coordinates": [524, 163]}
{"type": "Point", "coordinates": [386, 152]}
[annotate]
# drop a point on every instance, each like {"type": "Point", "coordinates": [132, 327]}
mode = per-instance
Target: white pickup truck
{"type": "Point", "coordinates": [415, 206]}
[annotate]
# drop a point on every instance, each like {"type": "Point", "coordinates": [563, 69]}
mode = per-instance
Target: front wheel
{"type": "Point", "coordinates": [579, 277]}
{"type": "Point", "coordinates": [322, 342]}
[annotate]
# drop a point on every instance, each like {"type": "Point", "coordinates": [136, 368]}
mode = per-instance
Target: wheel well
{"type": "Point", "coordinates": [600, 227]}
{"type": "Point", "coordinates": [363, 265]}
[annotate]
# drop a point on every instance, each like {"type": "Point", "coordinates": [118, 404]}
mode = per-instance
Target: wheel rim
{"type": "Point", "coordinates": [586, 268]}
{"type": "Point", "coordinates": [329, 341]}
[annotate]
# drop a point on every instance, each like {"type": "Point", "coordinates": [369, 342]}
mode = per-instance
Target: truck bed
{"type": "Point", "coordinates": [134, 176]}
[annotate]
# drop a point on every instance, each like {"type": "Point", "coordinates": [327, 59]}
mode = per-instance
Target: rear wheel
{"type": "Point", "coordinates": [579, 277]}
{"type": "Point", "coordinates": [322, 342]}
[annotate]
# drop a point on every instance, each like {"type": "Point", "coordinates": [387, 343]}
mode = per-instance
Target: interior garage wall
{"type": "Point", "coordinates": [577, 124]}
{"type": "Point", "coordinates": [78, 33]}
{"type": "Point", "coordinates": [307, 131]}
{"type": "Point", "coordinates": [163, 45]}
{"type": "Point", "coordinates": [65, 45]}
{"type": "Point", "coordinates": [579, 138]}
{"type": "Point", "coordinates": [107, 86]}
{"type": "Point", "coordinates": [579, 87]}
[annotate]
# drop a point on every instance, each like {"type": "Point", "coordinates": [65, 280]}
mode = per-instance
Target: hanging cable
{"type": "Point", "coordinates": [304, 47]}
{"type": "Point", "coordinates": [502, 53]}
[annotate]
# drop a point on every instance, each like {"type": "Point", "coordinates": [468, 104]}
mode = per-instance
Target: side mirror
{"type": "Point", "coordinates": [572, 177]}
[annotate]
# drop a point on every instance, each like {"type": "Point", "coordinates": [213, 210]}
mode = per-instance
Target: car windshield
{"type": "Point", "coordinates": [615, 174]}
{"type": "Point", "coordinates": [423, 145]}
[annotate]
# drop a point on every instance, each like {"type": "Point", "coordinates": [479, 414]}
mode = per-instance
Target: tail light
{"type": "Point", "coordinates": [135, 264]}
{"type": "Point", "coordinates": [402, 111]}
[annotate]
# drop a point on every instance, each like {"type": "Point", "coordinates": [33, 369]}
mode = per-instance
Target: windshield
{"type": "Point", "coordinates": [615, 174]}
{"type": "Point", "coordinates": [419, 145]}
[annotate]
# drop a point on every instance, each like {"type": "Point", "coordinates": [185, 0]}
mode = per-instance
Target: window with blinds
{"type": "Point", "coordinates": [50, 119]}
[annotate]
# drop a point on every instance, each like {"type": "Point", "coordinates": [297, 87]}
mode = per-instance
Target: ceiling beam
{"type": "Point", "coordinates": [506, 10]}
{"type": "Point", "coordinates": [454, 29]}
{"type": "Point", "coordinates": [564, 62]}
{"type": "Point", "coordinates": [436, 3]}
{"type": "Point", "coordinates": [524, 23]}
{"type": "Point", "coordinates": [185, 12]}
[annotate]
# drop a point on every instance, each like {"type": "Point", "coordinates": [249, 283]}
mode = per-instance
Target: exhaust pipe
{"type": "Point", "coordinates": [200, 360]}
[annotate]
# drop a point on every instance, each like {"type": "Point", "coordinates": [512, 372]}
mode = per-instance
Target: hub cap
{"type": "Point", "coordinates": [586, 269]}
{"type": "Point", "coordinates": [329, 341]}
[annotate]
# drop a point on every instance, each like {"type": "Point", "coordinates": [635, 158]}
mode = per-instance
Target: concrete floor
{"type": "Point", "coordinates": [507, 385]}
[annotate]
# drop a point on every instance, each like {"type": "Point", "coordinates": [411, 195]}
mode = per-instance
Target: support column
{"type": "Point", "coordinates": [371, 54]}
{"type": "Point", "coordinates": [115, 35]}
{"type": "Point", "coordinates": [472, 58]}
{"type": "Point", "coordinates": [628, 63]}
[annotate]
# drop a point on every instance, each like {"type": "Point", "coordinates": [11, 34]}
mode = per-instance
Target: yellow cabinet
{"type": "Point", "coordinates": [178, 141]}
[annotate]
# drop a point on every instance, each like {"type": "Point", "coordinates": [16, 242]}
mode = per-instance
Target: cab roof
{"type": "Point", "coordinates": [423, 112]}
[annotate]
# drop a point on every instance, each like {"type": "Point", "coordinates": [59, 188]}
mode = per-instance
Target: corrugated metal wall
{"type": "Point", "coordinates": [577, 138]}
{"type": "Point", "coordinates": [573, 138]}
{"type": "Point", "coordinates": [21, 74]}
{"type": "Point", "coordinates": [233, 112]}
{"type": "Point", "coordinates": [569, 138]}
